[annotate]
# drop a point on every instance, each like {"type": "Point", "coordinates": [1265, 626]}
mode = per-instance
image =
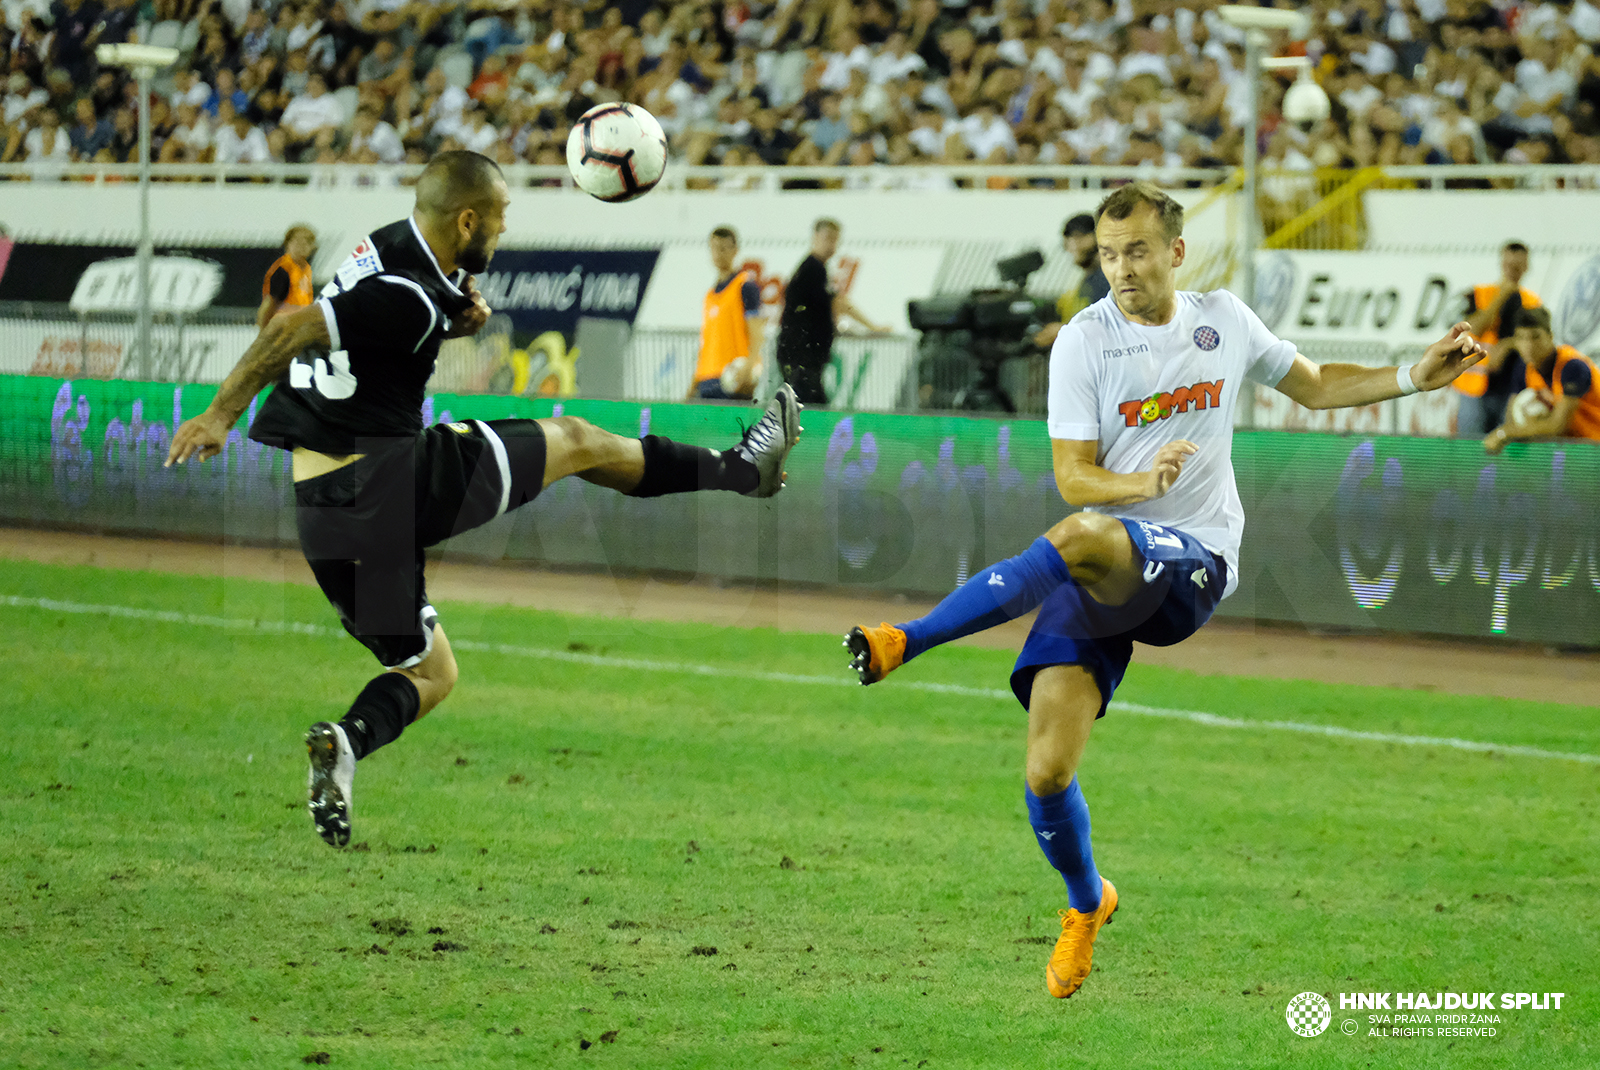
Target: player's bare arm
{"type": "Point", "coordinates": [1552, 425]}
{"type": "Point", "coordinates": [1083, 483]}
{"type": "Point", "coordinates": [280, 341]}
{"type": "Point", "coordinates": [1338, 386]}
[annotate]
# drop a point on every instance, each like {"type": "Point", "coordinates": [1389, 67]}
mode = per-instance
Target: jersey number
{"type": "Point", "coordinates": [1167, 540]}
{"type": "Point", "coordinates": [331, 378]}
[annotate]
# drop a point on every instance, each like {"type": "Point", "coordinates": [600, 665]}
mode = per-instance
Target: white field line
{"type": "Point", "coordinates": [1209, 720]}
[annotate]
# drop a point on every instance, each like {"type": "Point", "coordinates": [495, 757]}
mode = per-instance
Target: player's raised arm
{"type": "Point", "coordinates": [1337, 386]}
{"type": "Point", "coordinates": [280, 341]}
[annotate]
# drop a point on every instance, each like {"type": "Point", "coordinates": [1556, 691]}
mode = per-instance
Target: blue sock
{"type": "Point", "coordinates": [995, 595]}
{"type": "Point", "coordinates": [1061, 822]}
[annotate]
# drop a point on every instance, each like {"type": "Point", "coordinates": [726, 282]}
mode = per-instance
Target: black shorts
{"type": "Point", "coordinates": [364, 527]}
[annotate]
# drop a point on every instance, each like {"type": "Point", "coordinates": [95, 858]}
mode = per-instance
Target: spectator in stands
{"type": "Point", "coordinates": [92, 133]}
{"type": "Point", "coordinates": [236, 140]}
{"type": "Point", "coordinates": [1564, 378]}
{"type": "Point", "coordinates": [124, 136]}
{"type": "Point", "coordinates": [374, 135]}
{"type": "Point", "coordinates": [226, 89]}
{"type": "Point", "coordinates": [312, 112]}
{"type": "Point", "coordinates": [1491, 311]}
{"type": "Point", "coordinates": [384, 68]}
{"type": "Point", "coordinates": [47, 142]}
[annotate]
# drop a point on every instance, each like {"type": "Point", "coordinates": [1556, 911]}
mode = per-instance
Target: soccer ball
{"type": "Point", "coordinates": [1528, 406]}
{"type": "Point", "coordinates": [616, 152]}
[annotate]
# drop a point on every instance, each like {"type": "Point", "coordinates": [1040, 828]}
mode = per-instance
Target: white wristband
{"type": "Point", "coordinates": [1402, 377]}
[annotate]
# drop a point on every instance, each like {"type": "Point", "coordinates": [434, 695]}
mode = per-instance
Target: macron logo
{"type": "Point", "coordinates": [1048, 835]}
{"type": "Point", "coordinates": [995, 580]}
{"type": "Point", "coordinates": [1198, 577]}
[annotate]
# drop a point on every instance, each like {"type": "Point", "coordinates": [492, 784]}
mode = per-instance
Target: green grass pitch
{"type": "Point", "coordinates": [551, 856]}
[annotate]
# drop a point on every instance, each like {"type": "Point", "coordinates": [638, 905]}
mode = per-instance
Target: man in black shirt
{"type": "Point", "coordinates": [811, 313]}
{"type": "Point", "coordinates": [1077, 238]}
{"type": "Point", "coordinates": [374, 488]}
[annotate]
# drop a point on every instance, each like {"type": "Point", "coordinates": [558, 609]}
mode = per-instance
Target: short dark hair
{"type": "Point", "coordinates": [454, 180]}
{"type": "Point", "coordinates": [1536, 318]}
{"type": "Point", "coordinates": [726, 232]}
{"type": "Point", "coordinates": [825, 223]}
{"type": "Point", "coordinates": [1082, 223]}
{"type": "Point", "coordinates": [1120, 205]}
{"type": "Point", "coordinates": [1514, 247]}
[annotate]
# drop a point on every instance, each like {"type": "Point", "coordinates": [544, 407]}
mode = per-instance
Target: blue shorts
{"type": "Point", "coordinates": [1183, 584]}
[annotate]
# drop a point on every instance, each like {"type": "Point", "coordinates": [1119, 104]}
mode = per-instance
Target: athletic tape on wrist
{"type": "Point", "coordinates": [1402, 377]}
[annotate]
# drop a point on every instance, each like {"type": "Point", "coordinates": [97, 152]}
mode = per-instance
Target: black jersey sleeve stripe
{"type": "Point", "coordinates": [433, 310]}
{"type": "Point", "coordinates": [332, 320]}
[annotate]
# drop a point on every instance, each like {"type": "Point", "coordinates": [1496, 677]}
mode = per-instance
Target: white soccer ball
{"type": "Point", "coordinates": [616, 152]}
{"type": "Point", "coordinates": [1528, 406]}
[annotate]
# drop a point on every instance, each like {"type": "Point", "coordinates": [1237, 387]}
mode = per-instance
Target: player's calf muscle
{"type": "Point", "coordinates": [574, 446]}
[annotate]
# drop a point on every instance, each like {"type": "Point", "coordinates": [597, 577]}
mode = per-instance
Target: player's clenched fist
{"type": "Point", "coordinates": [1168, 463]}
{"type": "Point", "coordinates": [472, 320]}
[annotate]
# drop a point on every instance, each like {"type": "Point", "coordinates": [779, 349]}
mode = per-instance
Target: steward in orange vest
{"type": "Point", "coordinates": [731, 327]}
{"type": "Point", "coordinates": [287, 285]}
{"type": "Point", "coordinates": [1492, 313]}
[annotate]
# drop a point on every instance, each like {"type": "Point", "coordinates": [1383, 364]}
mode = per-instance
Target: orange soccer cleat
{"type": "Point", "coordinates": [1069, 962]}
{"type": "Point", "coordinates": [875, 652]}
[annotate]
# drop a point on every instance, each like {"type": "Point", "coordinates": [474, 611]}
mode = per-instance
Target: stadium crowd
{"type": "Point", "coordinates": [1130, 82]}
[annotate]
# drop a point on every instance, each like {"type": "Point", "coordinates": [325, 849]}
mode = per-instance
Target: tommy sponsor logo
{"type": "Point", "coordinates": [1143, 411]}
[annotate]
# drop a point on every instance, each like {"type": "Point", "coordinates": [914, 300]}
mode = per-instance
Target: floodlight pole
{"type": "Point", "coordinates": [144, 61]}
{"type": "Point", "coordinates": [1254, 42]}
{"type": "Point", "coordinates": [146, 251]}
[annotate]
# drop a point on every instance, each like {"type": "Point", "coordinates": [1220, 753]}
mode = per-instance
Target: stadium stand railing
{"type": "Point", "coordinates": [904, 179]}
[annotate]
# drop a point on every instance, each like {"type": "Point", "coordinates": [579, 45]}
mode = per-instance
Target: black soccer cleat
{"type": "Point", "coordinates": [767, 442]}
{"type": "Point", "coordinates": [331, 782]}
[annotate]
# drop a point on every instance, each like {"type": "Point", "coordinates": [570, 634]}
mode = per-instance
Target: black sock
{"type": "Point", "coordinates": [380, 713]}
{"type": "Point", "coordinates": [674, 468]}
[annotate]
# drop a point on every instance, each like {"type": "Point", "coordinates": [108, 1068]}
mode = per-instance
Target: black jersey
{"type": "Point", "coordinates": [387, 308]}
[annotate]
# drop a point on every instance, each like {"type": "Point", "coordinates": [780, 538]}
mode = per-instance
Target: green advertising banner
{"type": "Point", "coordinates": [1395, 534]}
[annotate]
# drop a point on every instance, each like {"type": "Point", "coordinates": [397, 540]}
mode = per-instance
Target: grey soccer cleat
{"type": "Point", "coordinates": [331, 781]}
{"type": "Point", "coordinates": [767, 442]}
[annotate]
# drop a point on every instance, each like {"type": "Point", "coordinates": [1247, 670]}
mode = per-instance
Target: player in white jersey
{"type": "Point", "coordinates": [1143, 386]}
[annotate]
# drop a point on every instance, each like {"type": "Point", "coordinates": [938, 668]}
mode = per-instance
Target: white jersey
{"type": "Point", "coordinates": [1133, 389]}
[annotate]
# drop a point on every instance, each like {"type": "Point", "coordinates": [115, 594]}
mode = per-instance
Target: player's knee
{"type": "Point", "coordinates": [1084, 537]}
{"type": "Point", "coordinates": [583, 440]}
{"type": "Point", "coordinates": [1048, 774]}
{"type": "Point", "coordinates": [439, 673]}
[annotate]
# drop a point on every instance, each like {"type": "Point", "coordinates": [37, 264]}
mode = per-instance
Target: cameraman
{"type": "Point", "coordinates": [1077, 238]}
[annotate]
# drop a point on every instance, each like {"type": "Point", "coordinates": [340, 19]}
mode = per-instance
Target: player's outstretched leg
{"type": "Point", "coordinates": [1089, 549]}
{"type": "Point", "coordinates": [1062, 707]}
{"type": "Point", "coordinates": [386, 706]}
{"type": "Point", "coordinates": [652, 466]}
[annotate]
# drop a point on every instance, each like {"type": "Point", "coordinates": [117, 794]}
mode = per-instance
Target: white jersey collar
{"type": "Point", "coordinates": [428, 249]}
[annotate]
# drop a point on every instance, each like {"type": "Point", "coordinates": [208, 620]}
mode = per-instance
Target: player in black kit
{"type": "Point", "coordinates": [374, 488]}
